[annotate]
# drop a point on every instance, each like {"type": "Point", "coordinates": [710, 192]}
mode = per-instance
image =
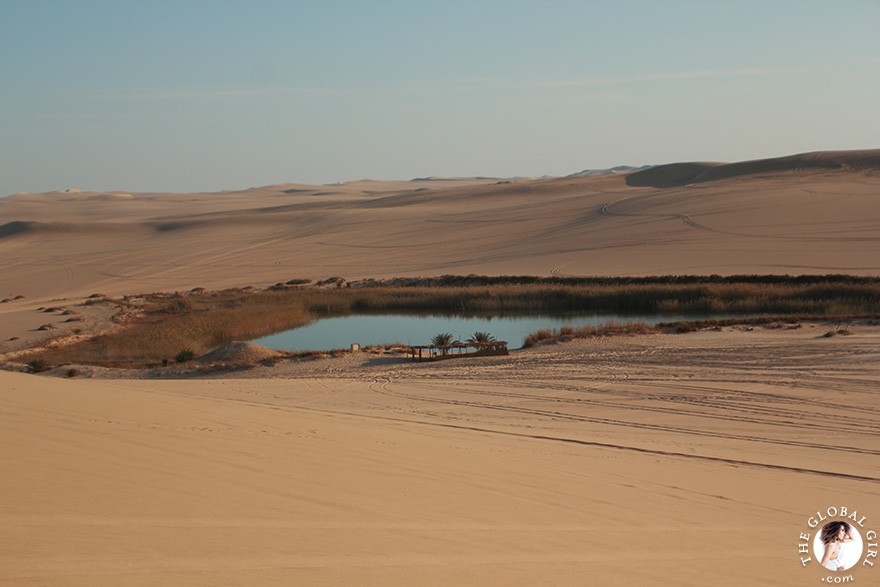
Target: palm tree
{"type": "Point", "coordinates": [480, 337]}
{"type": "Point", "coordinates": [442, 339]}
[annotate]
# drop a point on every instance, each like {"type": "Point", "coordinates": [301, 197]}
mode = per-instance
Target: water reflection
{"type": "Point", "coordinates": [341, 332]}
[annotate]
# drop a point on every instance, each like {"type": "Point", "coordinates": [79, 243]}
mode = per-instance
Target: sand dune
{"type": "Point", "coordinates": [820, 220]}
{"type": "Point", "coordinates": [632, 461]}
{"type": "Point", "coordinates": [687, 459]}
{"type": "Point", "coordinates": [678, 174]}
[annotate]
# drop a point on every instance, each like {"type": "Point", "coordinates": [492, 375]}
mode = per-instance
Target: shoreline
{"type": "Point", "coordinates": [377, 360]}
{"type": "Point", "coordinates": [156, 329]}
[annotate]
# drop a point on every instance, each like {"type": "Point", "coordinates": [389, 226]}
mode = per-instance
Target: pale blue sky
{"type": "Point", "coordinates": [209, 95]}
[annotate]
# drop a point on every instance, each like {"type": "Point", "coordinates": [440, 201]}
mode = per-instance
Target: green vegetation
{"type": "Point", "coordinates": [442, 339]}
{"type": "Point", "coordinates": [481, 337]}
{"type": "Point", "coordinates": [155, 327]}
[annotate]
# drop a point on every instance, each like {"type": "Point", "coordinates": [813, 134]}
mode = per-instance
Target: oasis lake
{"type": "Point", "coordinates": [410, 329]}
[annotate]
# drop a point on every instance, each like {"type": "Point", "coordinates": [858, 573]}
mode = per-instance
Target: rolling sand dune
{"type": "Point", "coordinates": [821, 219]}
{"type": "Point", "coordinates": [650, 460]}
{"type": "Point", "coordinates": [678, 174]}
{"type": "Point", "coordinates": [631, 461]}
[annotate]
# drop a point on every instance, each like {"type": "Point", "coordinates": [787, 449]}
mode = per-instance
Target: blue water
{"type": "Point", "coordinates": [341, 332]}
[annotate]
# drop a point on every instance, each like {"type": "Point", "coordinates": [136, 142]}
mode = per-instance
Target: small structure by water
{"type": "Point", "coordinates": [457, 350]}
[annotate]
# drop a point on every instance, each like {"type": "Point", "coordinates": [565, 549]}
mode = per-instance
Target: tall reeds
{"type": "Point", "coordinates": [610, 328]}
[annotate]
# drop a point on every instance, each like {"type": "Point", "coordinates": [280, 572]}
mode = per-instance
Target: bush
{"type": "Point", "coordinates": [38, 365]}
{"type": "Point", "coordinates": [185, 355]}
{"type": "Point", "coordinates": [178, 305]}
{"type": "Point", "coordinates": [537, 336]}
{"type": "Point", "coordinates": [565, 333]}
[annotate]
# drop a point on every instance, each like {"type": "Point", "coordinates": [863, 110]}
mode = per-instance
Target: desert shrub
{"type": "Point", "coordinates": [611, 328]}
{"type": "Point", "coordinates": [537, 336]}
{"type": "Point", "coordinates": [179, 305]}
{"type": "Point", "coordinates": [185, 355]}
{"type": "Point", "coordinates": [38, 365]}
{"type": "Point", "coordinates": [71, 372]}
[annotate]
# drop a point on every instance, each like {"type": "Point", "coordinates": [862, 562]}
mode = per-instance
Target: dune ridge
{"type": "Point", "coordinates": [15, 227]}
{"type": "Point", "coordinates": [678, 174]}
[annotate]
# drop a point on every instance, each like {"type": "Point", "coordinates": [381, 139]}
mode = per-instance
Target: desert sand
{"type": "Point", "coordinates": [790, 220]}
{"type": "Point", "coordinates": [690, 459]}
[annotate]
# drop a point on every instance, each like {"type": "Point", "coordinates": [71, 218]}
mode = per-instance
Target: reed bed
{"type": "Point", "coordinates": [165, 324]}
{"type": "Point", "coordinates": [733, 298]}
{"type": "Point", "coordinates": [610, 328]}
{"type": "Point", "coordinates": [689, 299]}
{"type": "Point", "coordinates": [161, 331]}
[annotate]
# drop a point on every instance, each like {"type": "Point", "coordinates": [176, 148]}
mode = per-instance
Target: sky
{"type": "Point", "coordinates": [199, 95]}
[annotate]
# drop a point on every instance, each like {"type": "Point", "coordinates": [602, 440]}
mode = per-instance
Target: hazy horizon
{"type": "Point", "coordinates": [207, 96]}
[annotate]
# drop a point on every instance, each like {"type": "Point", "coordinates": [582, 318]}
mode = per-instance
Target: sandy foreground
{"type": "Point", "coordinates": [689, 459]}
{"type": "Point", "coordinates": [666, 459]}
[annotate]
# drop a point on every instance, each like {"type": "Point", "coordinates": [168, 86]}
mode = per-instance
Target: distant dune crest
{"type": "Point", "coordinates": [817, 220]}
{"type": "Point", "coordinates": [15, 227]}
{"type": "Point", "coordinates": [617, 170]}
{"type": "Point", "coordinates": [678, 174]}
